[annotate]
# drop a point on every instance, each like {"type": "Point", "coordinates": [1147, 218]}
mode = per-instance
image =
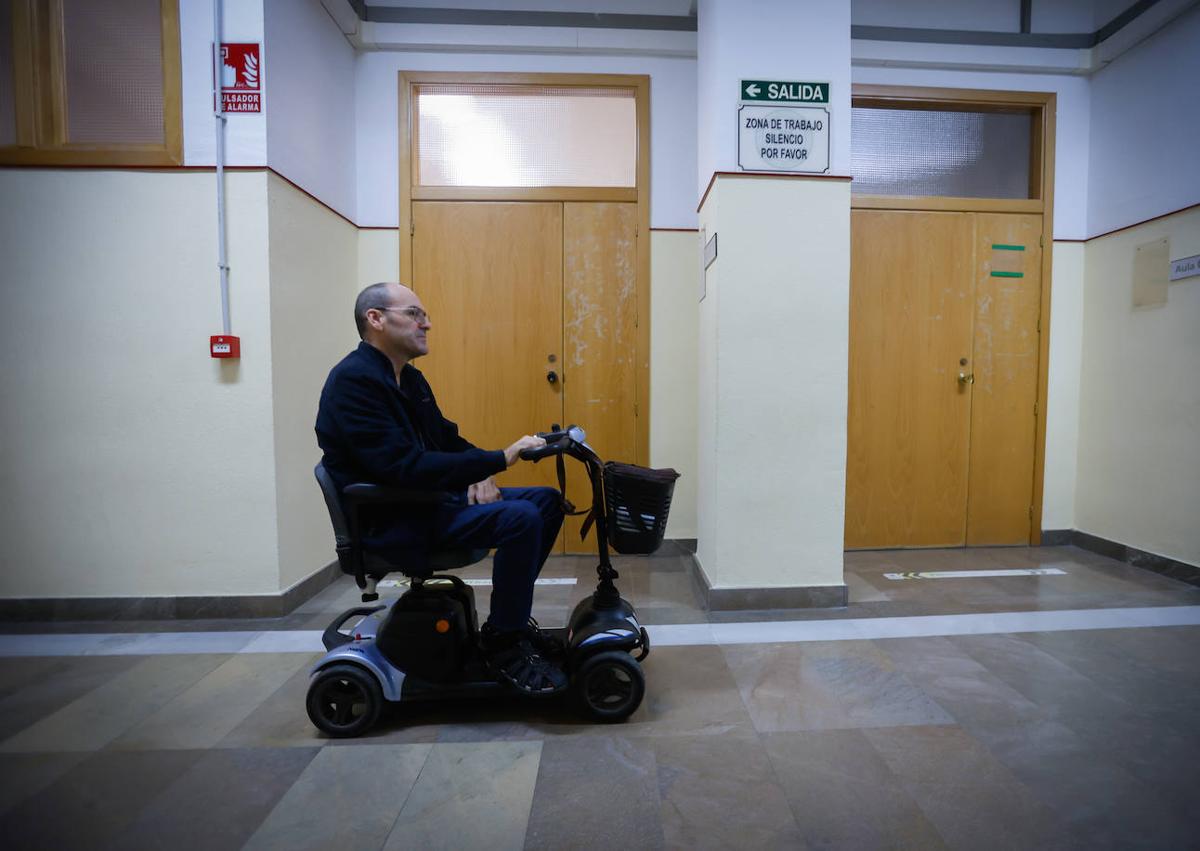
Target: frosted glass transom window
{"type": "Point", "coordinates": [114, 73]}
{"type": "Point", "coordinates": [497, 135]}
{"type": "Point", "coordinates": [927, 152]}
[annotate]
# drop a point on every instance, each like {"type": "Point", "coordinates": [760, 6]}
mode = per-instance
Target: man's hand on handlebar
{"type": "Point", "coordinates": [513, 453]}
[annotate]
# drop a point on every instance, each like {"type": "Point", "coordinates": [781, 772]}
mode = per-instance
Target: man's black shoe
{"type": "Point", "coordinates": [545, 642]}
{"type": "Point", "coordinates": [512, 658]}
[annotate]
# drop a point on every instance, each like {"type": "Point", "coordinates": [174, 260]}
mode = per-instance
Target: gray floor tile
{"type": "Point", "coordinates": [23, 775]}
{"type": "Point", "coordinates": [827, 686]}
{"type": "Point", "coordinates": [595, 792]}
{"type": "Point", "coordinates": [1164, 758]}
{"type": "Point", "coordinates": [90, 805]}
{"type": "Point", "coordinates": [844, 795]}
{"type": "Point", "coordinates": [972, 799]}
{"type": "Point", "coordinates": [96, 718]}
{"type": "Point", "coordinates": [960, 685]}
{"type": "Point", "coordinates": [219, 802]}
{"type": "Point", "coordinates": [689, 690]}
{"type": "Point", "coordinates": [1050, 683]}
{"type": "Point", "coordinates": [205, 713]}
{"type": "Point", "coordinates": [1146, 668]}
{"type": "Point", "coordinates": [346, 797]}
{"type": "Point", "coordinates": [281, 720]}
{"type": "Point", "coordinates": [405, 724]}
{"type": "Point", "coordinates": [1081, 785]}
{"type": "Point", "coordinates": [40, 687]}
{"type": "Point", "coordinates": [470, 796]}
{"type": "Point", "coordinates": [1072, 739]}
{"type": "Point", "coordinates": [720, 791]}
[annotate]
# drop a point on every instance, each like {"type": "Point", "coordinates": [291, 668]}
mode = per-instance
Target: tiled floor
{"type": "Point", "coordinates": [1079, 731]}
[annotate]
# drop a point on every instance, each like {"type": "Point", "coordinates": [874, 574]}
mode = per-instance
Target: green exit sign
{"type": "Point", "coordinates": [779, 91]}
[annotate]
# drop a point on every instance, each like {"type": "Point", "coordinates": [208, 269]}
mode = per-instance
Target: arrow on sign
{"type": "Point", "coordinates": [752, 90]}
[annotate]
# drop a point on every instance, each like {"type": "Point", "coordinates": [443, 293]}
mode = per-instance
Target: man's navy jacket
{"type": "Point", "coordinates": [372, 430]}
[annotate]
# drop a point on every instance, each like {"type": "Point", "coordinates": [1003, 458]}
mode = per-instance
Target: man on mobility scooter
{"type": "Point", "coordinates": [412, 496]}
{"type": "Point", "coordinates": [378, 422]}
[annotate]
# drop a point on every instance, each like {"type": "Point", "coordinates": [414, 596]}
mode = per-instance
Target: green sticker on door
{"type": "Point", "coordinates": [1008, 261]}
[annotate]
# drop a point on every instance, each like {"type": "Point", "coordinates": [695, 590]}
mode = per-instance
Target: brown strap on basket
{"type": "Point", "coordinates": [568, 507]}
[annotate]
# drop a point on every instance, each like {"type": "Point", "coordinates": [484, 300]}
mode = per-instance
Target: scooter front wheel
{"type": "Point", "coordinates": [344, 701]}
{"type": "Point", "coordinates": [610, 686]}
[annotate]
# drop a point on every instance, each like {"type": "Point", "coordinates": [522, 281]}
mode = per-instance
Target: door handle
{"type": "Point", "coordinates": [966, 378]}
{"type": "Point", "coordinates": [552, 376]}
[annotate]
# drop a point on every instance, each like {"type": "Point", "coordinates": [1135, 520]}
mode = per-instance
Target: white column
{"type": "Point", "coordinates": [774, 320]}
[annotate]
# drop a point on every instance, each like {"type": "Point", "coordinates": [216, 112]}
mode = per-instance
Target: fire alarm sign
{"type": "Point", "coordinates": [241, 77]}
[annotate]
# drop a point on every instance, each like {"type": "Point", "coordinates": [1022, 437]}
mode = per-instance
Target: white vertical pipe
{"type": "Point", "coordinates": [219, 115]}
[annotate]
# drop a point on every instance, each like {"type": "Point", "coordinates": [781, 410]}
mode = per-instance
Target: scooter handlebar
{"type": "Point", "coordinates": [541, 452]}
{"type": "Point", "coordinates": [557, 441]}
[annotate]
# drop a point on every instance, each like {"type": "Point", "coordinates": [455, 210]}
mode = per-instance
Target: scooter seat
{"type": "Point", "coordinates": [438, 560]}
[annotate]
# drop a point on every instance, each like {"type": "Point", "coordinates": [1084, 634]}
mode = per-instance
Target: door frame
{"type": "Point", "coordinates": [411, 190]}
{"type": "Point", "coordinates": [1041, 200]}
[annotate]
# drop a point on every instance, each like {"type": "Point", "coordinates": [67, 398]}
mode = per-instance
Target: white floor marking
{"type": "Point", "coordinates": [973, 574]}
{"type": "Point", "coordinates": [484, 583]}
{"type": "Point", "coordinates": [662, 635]}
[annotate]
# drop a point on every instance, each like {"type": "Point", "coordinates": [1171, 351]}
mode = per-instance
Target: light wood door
{"type": "Point", "coordinates": [490, 276]}
{"type": "Point", "coordinates": [600, 345]}
{"type": "Point", "coordinates": [1008, 292]}
{"type": "Point", "coordinates": [519, 290]}
{"type": "Point", "coordinates": [911, 305]}
{"type": "Point", "coordinates": [944, 339]}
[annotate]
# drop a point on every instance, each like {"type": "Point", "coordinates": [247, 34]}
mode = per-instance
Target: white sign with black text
{"type": "Point", "coordinates": [783, 138]}
{"type": "Point", "coordinates": [1186, 267]}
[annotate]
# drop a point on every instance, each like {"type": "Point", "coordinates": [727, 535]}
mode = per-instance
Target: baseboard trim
{"type": "Point", "coordinates": [1056, 537]}
{"type": "Point", "coordinates": [1161, 565]}
{"type": "Point", "coordinates": [783, 597]}
{"type": "Point", "coordinates": [168, 608]}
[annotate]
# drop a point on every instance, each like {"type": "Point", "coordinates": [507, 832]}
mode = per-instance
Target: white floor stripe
{"type": "Point", "coordinates": [975, 574]}
{"type": "Point", "coordinates": [663, 635]}
{"type": "Point", "coordinates": [485, 583]}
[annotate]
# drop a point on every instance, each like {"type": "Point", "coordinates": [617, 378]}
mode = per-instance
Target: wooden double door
{"type": "Point", "coordinates": [533, 308]}
{"type": "Point", "coordinates": [944, 325]}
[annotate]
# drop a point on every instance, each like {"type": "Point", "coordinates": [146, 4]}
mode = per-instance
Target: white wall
{"type": "Point", "coordinates": [133, 464]}
{"type": "Point", "coordinates": [1139, 421]}
{"type": "Point", "coordinates": [672, 123]}
{"type": "Point", "coordinates": [986, 15]}
{"type": "Point", "coordinates": [768, 40]}
{"type": "Point", "coordinates": [378, 255]}
{"type": "Point", "coordinates": [674, 371]}
{"type": "Point", "coordinates": [1062, 403]}
{"type": "Point", "coordinates": [1139, 413]}
{"type": "Point", "coordinates": [246, 133]}
{"type": "Point", "coordinates": [774, 335]}
{"type": "Point", "coordinates": [313, 254]}
{"type": "Point", "coordinates": [310, 128]}
{"type": "Point", "coordinates": [1145, 130]}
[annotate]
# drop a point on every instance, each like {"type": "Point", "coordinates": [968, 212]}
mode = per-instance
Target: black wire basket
{"type": "Point", "coordinates": [637, 501]}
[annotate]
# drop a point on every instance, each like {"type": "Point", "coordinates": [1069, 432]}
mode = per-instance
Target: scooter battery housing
{"type": "Point", "coordinates": [428, 632]}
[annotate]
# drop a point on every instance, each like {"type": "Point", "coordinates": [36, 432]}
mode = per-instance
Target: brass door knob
{"type": "Point", "coordinates": [966, 378]}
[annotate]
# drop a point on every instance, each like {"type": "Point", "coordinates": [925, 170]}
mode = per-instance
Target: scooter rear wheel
{"type": "Point", "coordinates": [610, 686]}
{"type": "Point", "coordinates": [344, 701]}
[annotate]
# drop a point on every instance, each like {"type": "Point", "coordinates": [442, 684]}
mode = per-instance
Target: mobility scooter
{"type": "Point", "coordinates": [425, 646]}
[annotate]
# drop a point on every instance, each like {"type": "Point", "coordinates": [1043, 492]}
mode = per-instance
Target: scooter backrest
{"type": "Point", "coordinates": [341, 529]}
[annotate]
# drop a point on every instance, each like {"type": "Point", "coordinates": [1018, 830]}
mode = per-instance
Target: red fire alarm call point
{"type": "Point", "coordinates": [225, 346]}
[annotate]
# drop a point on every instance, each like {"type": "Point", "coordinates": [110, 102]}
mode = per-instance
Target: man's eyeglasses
{"type": "Point", "coordinates": [414, 313]}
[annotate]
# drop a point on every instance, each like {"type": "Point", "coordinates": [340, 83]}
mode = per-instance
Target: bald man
{"type": "Point", "coordinates": [379, 422]}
